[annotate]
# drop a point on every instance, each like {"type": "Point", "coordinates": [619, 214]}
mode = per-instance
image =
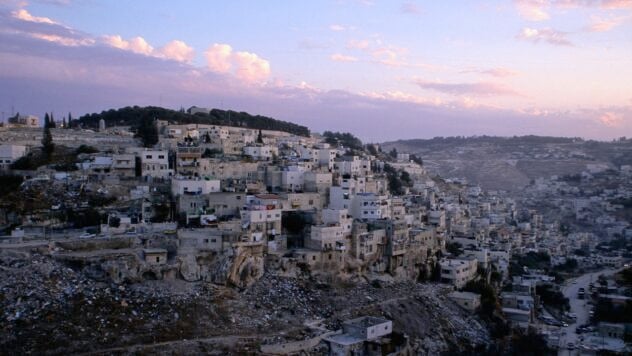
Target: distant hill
{"type": "Point", "coordinates": [511, 162]}
{"type": "Point", "coordinates": [133, 116]}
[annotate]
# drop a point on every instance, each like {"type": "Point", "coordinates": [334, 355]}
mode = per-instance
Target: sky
{"type": "Point", "coordinates": [382, 70]}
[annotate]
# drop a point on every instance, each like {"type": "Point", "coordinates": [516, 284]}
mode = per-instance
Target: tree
{"type": "Point", "coordinates": [372, 150]}
{"type": "Point", "coordinates": [51, 122]}
{"type": "Point", "coordinates": [260, 137]}
{"type": "Point", "coordinates": [47, 139]}
{"type": "Point", "coordinates": [69, 120]}
{"type": "Point", "coordinates": [417, 160]}
{"type": "Point", "coordinates": [454, 248]}
{"type": "Point", "coordinates": [14, 119]}
{"type": "Point", "coordinates": [405, 177]}
{"type": "Point", "coordinates": [343, 138]}
{"type": "Point", "coordinates": [148, 131]}
{"type": "Point", "coordinates": [393, 153]}
{"type": "Point", "coordinates": [488, 295]}
{"type": "Point", "coordinates": [86, 149]}
{"type": "Point", "coordinates": [63, 123]}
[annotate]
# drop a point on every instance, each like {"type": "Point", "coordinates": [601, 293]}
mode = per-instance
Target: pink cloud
{"type": "Point", "coordinates": [337, 57]}
{"type": "Point", "coordinates": [616, 4]}
{"type": "Point", "coordinates": [24, 15]}
{"type": "Point", "coordinates": [538, 10]}
{"type": "Point", "coordinates": [218, 57]}
{"type": "Point", "coordinates": [64, 41]}
{"type": "Point", "coordinates": [135, 44]}
{"type": "Point", "coordinates": [533, 10]}
{"type": "Point", "coordinates": [498, 72]}
{"type": "Point", "coordinates": [249, 67]}
{"type": "Point", "coordinates": [177, 51]}
{"type": "Point", "coordinates": [358, 44]}
{"type": "Point", "coordinates": [472, 89]}
{"type": "Point", "coordinates": [611, 119]}
{"type": "Point", "coordinates": [547, 35]}
{"type": "Point", "coordinates": [598, 24]}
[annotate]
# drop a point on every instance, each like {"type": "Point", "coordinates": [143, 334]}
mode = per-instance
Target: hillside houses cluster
{"type": "Point", "coordinates": [301, 199]}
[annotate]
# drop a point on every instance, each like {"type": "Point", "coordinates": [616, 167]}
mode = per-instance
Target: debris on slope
{"type": "Point", "coordinates": [49, 307]}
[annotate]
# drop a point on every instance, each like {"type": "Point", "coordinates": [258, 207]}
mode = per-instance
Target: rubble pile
{"type": "Point", "coordinates": [49, 307]}
{"type": "Point", "coordinates": [281, 300]}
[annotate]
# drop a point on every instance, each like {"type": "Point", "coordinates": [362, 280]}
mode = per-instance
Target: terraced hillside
{"type": "Point", "coordinates": [512, 162]}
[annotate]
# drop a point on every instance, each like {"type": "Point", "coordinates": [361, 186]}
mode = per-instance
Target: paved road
{"type": "Point", "coordinates": [578, 306]}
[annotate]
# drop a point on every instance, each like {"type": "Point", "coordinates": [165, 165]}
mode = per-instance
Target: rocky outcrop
{"type": "Point", "coordinates": [239, 267]}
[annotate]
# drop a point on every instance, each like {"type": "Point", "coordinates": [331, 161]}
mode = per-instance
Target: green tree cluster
{"type": "Point", "coordinates": [133, 115]}
{"type": "Point", "coordinates": [343, 138]}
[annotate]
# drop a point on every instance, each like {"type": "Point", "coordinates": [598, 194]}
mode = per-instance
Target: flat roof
{"type": "Point", "coordinates": [344, 339]}
{"type": "Point", "coordinates": [516, 311]}
{"type": "Point", "coordinates": [366, 321]}
{"type": "Point", "coordinates": [154, 250]}
{"type": "Point", "coordinates": [267, 196]}
{"type": "Point", "coordinates": [465, 295]}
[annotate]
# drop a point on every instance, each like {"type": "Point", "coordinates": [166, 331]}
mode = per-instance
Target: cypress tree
{"type": "Point", "coordinates": [51, 123]}
{"type": "Point", "coordinates": [47, 139]}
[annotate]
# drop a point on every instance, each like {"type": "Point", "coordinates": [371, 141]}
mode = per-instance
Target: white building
{"type": "Point", "coordinates": [293, 178]}
{"type": "Point", "coordinates": [316, 182]}
{"type": "Point", "coordinates": [458, 271]}
{"type": "Point", "coordinates": [338, 217]}
{"type": "Point", "coordinates": [466, 300]}
{"type": "Point", "coordinates": [327, 238]}
{"type": "Point", "coordinates": [326, 157]}
{"type": "Point", "coordinates": [9, 154]}
{"type": "Point", "coordinates": [370, 206]}
{"type": "Point", "coordinates": [181, 186]}
{"type": "Point", "coordinates": [155, 163]}
{"type": "Point", "coordinates": [351, 165]}
{"type": "Point", "coordinates": [124, 165]}
{"type": "Point", "coordinates": [263, 153]}
{"type": "Point", "coordinates": [261, 216]}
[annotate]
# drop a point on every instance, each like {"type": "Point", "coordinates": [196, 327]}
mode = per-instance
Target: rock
{"type": "Point", "coordinates": [189, 268]}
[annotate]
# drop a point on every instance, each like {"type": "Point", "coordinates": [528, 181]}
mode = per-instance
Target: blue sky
{"type": "Point", "coordinates": [380, 69]}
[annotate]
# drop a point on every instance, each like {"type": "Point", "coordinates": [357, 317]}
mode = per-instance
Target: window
{"type": "Point", "coordinates": [213, 240]}
{"type": "Point", "coordinates": [161, 157]}
{"type": "Point", "coordinates": [148, 157]}
{"type": "Point", "coordinates": [157, 258]}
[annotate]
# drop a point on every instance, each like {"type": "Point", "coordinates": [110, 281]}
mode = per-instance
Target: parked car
{"type": "Point", "coordinates": [87, 235]}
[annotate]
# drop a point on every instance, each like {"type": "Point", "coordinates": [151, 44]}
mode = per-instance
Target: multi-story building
{"type": "Point", "coordinates": [458, 271]}
{"type": "Point", "coordinates": [261, 217]}
{"type": "Point", "coordinates": [155, 163]}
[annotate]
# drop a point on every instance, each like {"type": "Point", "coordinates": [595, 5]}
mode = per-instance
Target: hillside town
{"type": "Point", "coordinates": [268, 226]}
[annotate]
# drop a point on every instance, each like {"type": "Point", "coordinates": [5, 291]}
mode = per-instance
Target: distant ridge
{"type": "Point", "coordinates": [498, 140]}
{"type": "Point", "coordinates": [134, 115]}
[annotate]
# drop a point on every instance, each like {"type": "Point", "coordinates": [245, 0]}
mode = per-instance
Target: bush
{"type": "Point", "coordinates": [86, 149]}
